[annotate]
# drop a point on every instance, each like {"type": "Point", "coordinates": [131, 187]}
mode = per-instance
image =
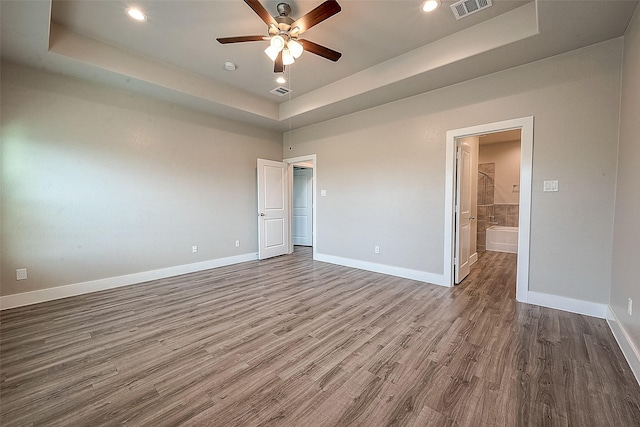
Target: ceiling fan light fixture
{"type": "Point", "coordinates": [295, 48]}
{"type": "Point", "coordinates": [277, 42]}
{"type": "Point", "coordinates": [136, 14]}
{"type": "Point", "coordinates": [287, 57]}
{"type": "Point", "coordinates": [272, 52]}
{"type": "Point", "coordinates": [430, 5]}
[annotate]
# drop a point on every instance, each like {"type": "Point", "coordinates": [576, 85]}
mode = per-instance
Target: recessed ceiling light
{"type": "Point", "coordinates": [281, 80]}
{"type": "Point", "coordinates": [136, 14]}
{"type": "Point", "coordinates": [229, 66]}
{"type": "Point", "coordinates": [430, 5]}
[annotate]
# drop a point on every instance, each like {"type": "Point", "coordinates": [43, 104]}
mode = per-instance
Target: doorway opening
{"type": "Point", "coordinates": [461, 232]}
{"type": "Point", "coordinates": [498, 192]}
{"type": "Point", "coordinates": [302, 206]}
{"type": "Point", "coordinates": [302, 203]}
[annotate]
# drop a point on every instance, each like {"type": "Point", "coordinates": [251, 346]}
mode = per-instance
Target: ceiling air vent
{"type": "Point", "coordinates": [280, 91]}
{"type": "Point", "coordinates": [464, 8]}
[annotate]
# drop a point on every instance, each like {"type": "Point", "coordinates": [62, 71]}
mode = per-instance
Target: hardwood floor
{"type": "Point", "coordinates": [293, 342]}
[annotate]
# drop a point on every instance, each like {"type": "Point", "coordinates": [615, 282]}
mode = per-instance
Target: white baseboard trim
{"type": "Point", "coordinates": [34, 297]}
{"type": "Point", "coordinates": [629, 349]}
{"type": "Point", "coordinates": [406, 273]}
{"type": "Point", "coordinates": [571, 305]}
{"type": "Point", "coordinates": [473, 258]}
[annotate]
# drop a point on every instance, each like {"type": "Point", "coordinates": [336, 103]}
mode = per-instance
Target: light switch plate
{"type": "Point", "coordinates": [323, 193]}
{"type": "Point", "coordinates": [21, 274]}
{"type": "Point", "coordinates": [551, 185]}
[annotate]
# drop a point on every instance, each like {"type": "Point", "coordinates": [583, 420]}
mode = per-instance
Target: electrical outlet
{"type": "Point", "coordinates": [21, 274]}
{"type": "Point", "coordinates": [630, 306]}
{"type": "Point", "coordinates": [376, 249]}
{"type": "Point", "coordinates": [237, 243]}
{"type": "Point", "coordinates": [194, 249]}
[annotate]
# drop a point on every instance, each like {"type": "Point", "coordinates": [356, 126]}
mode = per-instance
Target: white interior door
{"type": "Point", "coordinates": [463, 212]}
{"type": "Point", "coordinates": [302, 215]}
{"type": "Point", "coordinates": [273, 209]}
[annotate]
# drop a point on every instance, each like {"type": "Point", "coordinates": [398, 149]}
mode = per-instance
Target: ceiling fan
{"type": "Point", "coordinates": [284, 44]}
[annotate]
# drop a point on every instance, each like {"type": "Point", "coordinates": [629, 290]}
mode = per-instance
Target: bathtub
{"type": "Point", "coordinates": [502, 239]}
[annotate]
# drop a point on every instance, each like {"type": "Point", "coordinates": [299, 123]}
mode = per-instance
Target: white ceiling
{"type": "Point", "coordinates": [390, 49]}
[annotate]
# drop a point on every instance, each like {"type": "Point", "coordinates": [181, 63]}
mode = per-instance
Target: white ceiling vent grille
{"type": "Point", "coordinates": [280, 91]}
{"type": "Point", "coordinates": [464, 8]}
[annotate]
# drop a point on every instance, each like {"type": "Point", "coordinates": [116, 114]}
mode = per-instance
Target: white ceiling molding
{"type": "Point", "coordinates": [500, 31]}
{"type": "Point", "coordinates": [174, 56]}
{"type": "Point", "coordinates": [101, 55]}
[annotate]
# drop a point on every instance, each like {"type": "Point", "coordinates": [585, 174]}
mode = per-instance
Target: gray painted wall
{"type": "Point", "coordinates": [626, 238]}
{"type": "Point", "coordinates": [384, 169]}
{"type": "Point", "coordinates": [98, 183]}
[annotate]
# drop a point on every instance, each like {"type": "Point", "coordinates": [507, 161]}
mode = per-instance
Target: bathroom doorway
{"type": "Point", "coordinates": [452, 250]}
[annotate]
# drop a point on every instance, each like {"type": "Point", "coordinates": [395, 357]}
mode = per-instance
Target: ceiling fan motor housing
{"type": "Point", "coordinates": [284, 9]}
{"type": "Point", "coordinates": [283, 20]}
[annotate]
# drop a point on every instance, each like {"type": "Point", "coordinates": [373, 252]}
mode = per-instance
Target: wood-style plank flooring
{"type": "Point", "coordinates": [293, 342]}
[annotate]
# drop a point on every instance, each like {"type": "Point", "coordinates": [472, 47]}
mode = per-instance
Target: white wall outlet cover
{"type": "Point", "coordinates": [194, 249]}
{"type": "Point", "coordinates": [237, 243]}
{"type": "Point", "coordinates": [376, 249]}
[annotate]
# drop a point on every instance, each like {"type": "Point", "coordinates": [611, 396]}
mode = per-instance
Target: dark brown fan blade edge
{"type": "Point", "coordinates": [278, 66]}
{"type": "Point", "coordinates": [240, 39]}
{"type": "Point", "coordinates": [261, 11]}
{"type": "Point", "coordinates": [320, 50]}
{"type": "Point", "coordinates": [317, 15]}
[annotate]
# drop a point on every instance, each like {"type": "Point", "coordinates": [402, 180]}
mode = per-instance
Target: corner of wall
{"type": "Point", "coordinates": [628, 348]}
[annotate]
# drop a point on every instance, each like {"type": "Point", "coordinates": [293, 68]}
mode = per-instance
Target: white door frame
{"type": "Point", "coordinates": [292, 162]}
{"type": "Point", "coordinates": [525, 124]}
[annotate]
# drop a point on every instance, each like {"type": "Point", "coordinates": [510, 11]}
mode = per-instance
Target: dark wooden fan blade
{"type": "Point", "coordinates": [278, 66]}
{"type": "Point", "coordinates": [320, 50]}
{"type": "Point", "coordinates": [240, 39]}
{"type": "Point", "coordinates": [261, 12]}
{"type": "Point", "coordinates": [317, 15]}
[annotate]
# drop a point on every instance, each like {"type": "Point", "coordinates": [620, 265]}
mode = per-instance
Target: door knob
{"type": "Point", "coordinates": [261, 214]}
{"type": "Point", "coordinates": [471, 218]}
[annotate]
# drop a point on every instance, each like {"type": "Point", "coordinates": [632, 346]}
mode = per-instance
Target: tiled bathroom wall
{"type": "Point", "coordinates": [506, 215]}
